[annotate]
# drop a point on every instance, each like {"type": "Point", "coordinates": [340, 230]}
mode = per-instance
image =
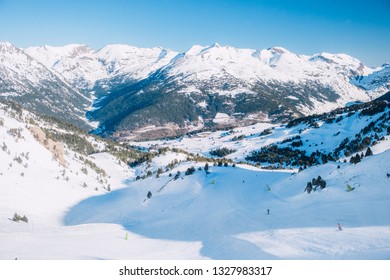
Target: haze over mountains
{"type": "Point", "coordinates": [156, 92]}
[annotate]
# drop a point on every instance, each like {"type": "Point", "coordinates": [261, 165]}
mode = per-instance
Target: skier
{"type": "Point", "coordinates": [339, 226]}
{"type": "Point", "coordinates": [149, 195]}
{"type": "Point", "coordinates": [267, 211]}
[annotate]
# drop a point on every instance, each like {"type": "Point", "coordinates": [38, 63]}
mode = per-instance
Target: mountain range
{"type": "Point", "coordinates": [129, 92]}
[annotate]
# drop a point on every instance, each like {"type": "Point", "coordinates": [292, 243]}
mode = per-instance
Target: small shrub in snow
{"type": "Point", "coordinates": [190, 170]}
{"type": "Point", "coordinates": [309, 187]}
{"type": "Point", "coordinates": [17, 218]}
{"type": "Point", "coordinates": [176, 176]}
{"type": "Point", "coordinates": [266, 132]}
{"type": "Point", "coordinates": [315, 182]}
{"type": "Point", "coordinates": [18, 159]}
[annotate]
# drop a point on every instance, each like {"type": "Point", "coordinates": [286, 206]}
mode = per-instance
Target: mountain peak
{"type": "Point", "coordinates": [5, 44]}
{"type": "Point", "coordinates": [195, 49]}
{"type": "Point", "coordinates": [279, 50]}
{"type": "Point", "coordinates": [7, 47]}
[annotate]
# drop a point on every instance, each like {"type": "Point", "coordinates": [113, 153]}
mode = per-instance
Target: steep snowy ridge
{"type": "Point", "coordinates": [83, 66]}
{"type": "Point", "coordinates": [50, 56]}
{"type": "Point", "coordinates": [29, 82]}
{"type": "Point", "coordinates": [377, 81]}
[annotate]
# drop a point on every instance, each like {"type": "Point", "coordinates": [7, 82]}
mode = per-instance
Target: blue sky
{"type": "Point", "coordinates": [359, 28]}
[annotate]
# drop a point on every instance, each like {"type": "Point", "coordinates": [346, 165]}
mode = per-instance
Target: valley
{"type": "Point", "coordinates": [213, 153]}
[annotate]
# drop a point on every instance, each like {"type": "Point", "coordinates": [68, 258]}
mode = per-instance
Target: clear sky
{"type": "Point", "coordinates": [359, 28]}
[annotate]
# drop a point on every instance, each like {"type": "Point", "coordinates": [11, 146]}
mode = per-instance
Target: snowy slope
{"type": "Point", "coordinates": [228, 70]}
{"type": "Point", "coordinates": [377, 81]}
{"type": "Point", "coordinates": [227, 212]}
{"type": "Point", "coordinates": [41, 177]}
{"type": "Point", "coordinates": [30, 83]}
{"type": "Point", "coordinates": [323, 133]}
{"type": "Point", "coordinates": [201, 63]}
{"type": "Point", "coordinates": [221, 214]}
{"type": "Point", "coordinates": [83, 66]}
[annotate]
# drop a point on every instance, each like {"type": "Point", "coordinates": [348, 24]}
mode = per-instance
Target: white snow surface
{"type": "Point", "coordinates": [220, 215]}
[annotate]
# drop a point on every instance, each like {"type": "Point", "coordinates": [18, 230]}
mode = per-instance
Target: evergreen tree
{"type": "Point", "coordinates": [176, 176]}
{"type": "Point", "coordinates": [190, 170]}
{"type": "Point", "coordinates": [309, 187]}
{"type": "Point", "coordinates": [356, 159]}
{"type": "Point", "coordinates": [368, 152]}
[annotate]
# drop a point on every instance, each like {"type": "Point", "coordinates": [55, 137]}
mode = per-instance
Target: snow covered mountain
{"type": "Point", "coordinates": [156, 92]}
{"type": "Point", "coordinates": [28, 82]}
{"type": "Point", "coordinates": [378, 81]}
{"type": "Point", "coordinates": [245, 85]}
{"type": "Point", "coordinates": [86, 68]}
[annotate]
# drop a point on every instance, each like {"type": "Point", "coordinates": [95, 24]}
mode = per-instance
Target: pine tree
{"type": "Point", "coordinates": [309, 187]}
{"type": "Point", "coordinates": [368, 152]}
{"type": "Point", "coordinates": [356, 159]}
{"type": "Point", "coordinates": [177, 176]}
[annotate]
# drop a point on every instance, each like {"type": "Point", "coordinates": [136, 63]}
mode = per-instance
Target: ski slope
{"type": "Point", "coordinates": [226, 211]}
{"type": "Point", "coordinates": [220, 215]}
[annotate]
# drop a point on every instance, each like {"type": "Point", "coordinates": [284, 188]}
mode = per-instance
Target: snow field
{"type": "Point", "coordinates": [221, 215]}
